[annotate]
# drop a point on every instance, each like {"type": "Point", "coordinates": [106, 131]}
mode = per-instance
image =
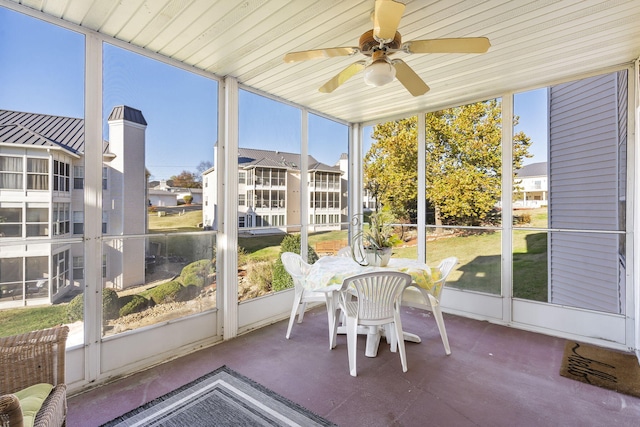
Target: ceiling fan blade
{"type": "Point", "coordinates": [342, 77]}
{"type": "Point", "coordinates": [386, 18]}
{"type": "Point", "coordinates": [320, 53]}
{"type": "Point", "coordinates": [457, 45]}
{"type": "Point", "coordinates": [409, 79]}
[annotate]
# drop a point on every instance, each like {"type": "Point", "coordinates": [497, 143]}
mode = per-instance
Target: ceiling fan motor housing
{"type": "Point", "coordinates": [368, 44]}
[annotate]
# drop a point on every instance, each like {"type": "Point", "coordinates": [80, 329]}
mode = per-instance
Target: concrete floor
{"type": "Point", "coordinates": [495, 376]}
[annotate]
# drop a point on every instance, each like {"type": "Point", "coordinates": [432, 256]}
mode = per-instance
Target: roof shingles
{"type": "Point", "coordinates": [251, 157]}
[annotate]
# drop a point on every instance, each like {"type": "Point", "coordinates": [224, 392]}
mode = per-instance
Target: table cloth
{"type": "Point", "coordinates": [328, 272]}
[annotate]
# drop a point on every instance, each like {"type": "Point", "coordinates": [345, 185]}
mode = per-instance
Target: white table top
{"type": "Point", "coordinates": [328, 272]}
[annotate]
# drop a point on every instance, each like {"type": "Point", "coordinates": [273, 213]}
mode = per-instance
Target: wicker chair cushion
{"type": "Point", "coordinates": [31, 399]}
{"type": "Point", "coordinates": [10, 411]}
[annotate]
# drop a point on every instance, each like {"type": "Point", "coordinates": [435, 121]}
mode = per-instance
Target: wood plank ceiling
{"type": "Point", "coordinates": [534, 43]}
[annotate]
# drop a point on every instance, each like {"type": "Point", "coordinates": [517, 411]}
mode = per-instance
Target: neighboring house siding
{"type": "Point", "coordinates": [584, 193]}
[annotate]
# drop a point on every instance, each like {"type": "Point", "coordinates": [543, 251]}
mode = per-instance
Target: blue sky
{"type": "Point", "coordinates": [44, 67]}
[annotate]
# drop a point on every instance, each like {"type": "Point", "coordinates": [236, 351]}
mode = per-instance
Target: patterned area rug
{"type": "Point", "coordinates": [601, 367]}
{"type": "Point", "coordinates": [221, 398]}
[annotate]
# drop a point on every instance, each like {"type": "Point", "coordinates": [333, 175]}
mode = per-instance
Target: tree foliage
{"type": "Point", "coordinates": [463, 163]}
{"type": "Point", "coordinates": [202, 167]}
{"type": "Point", "coordinates": [187, 179]}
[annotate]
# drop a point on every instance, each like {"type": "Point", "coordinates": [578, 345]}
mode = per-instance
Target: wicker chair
{"type": "Point", "coordinates": [32, 358]}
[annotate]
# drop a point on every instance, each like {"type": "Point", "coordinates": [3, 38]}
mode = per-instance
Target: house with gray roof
{"type": "Point", "coordinates": [42, 196]}
{"type": "Point", "coordinates": [531, 186]}
{"type": "Point", "coordinates": [269, 195]}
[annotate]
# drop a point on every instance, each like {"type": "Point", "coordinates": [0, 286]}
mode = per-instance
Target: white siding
{"type": "Point", "coordinates": [584, 156]}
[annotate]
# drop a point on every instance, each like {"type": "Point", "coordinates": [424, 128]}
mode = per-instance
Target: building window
{"type": "Point", "coordinates": [242, 199]}
{"type": "Point", "coordinates": [334, 200]}
{"type": "Point", "coordinates": [11, 278]}
{"type": "Point", "coordinates": [277, 220]}
{"type": "Point", "coordinates": [12, 169]}
{"type": "Point", "coordinates": [78, 177]}
{"type": "Point", "coordinates": [11, 173]}
{"type": "Point", "coordinates": [105, 177]}
{"type": "Point", "coordinates": [262, 221]}
{"type": "Point", "coordinates": [37, 221]}
{"type": "Point", "coordinates": [241, 221]}
{"type": "Point", "coordinates": [78, 267]}
{"type": "Point", "coordinates": [10, 221]}
{"type": "Point", "coordinates": [78, 222]}
{"type": "Point", "coordinates": [23, 277]}
{"type": "Point", "coordinates": [242, 177]}
{"type": "Point", "coordinates": [60, 270]}
{"type": "Point", "coordinates": [37, 174]}
{"type": "Point", "coordinates": [61, 176]}
{"type": "Point", "coordinates": [60, 218]}
{"type": "Point", "coordinates": [105, 220]}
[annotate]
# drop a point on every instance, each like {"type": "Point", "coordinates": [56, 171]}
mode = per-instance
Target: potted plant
{"type": "Point", "coordinates": [376, 240]}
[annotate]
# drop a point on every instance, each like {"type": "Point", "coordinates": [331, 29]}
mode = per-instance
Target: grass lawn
{"type": "Point", "coordinates": [479, 266]}
{"type": "Point", "coordinates": [15, 321]}
{"type": "Point", "coordinates": [173, 222]}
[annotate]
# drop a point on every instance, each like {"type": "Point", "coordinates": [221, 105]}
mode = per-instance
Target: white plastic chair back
{"type": "Point", "coordinates": [433, 298]}
{"type": "Point", "coordinates": [295, 266]}
{"type": "Point", "coordinates": [377, 294]}
{"type": "Point", "coordinates": [445, 267]}
{"type": "Point", "coordinates": [344, 252]}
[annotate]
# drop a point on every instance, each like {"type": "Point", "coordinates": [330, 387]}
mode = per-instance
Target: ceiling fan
{"type": "Point", "coordinates": [380, 43]}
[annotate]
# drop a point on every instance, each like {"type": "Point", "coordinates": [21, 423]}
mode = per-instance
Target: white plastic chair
{"type": "Point", "coordinates": [298, 269]}
{"type": "Point", "coordinates": [344, 252]}
{"type": "Point", "coordinates": [433, 299]}
{"type": "Point", "coordinates": [378, 302]}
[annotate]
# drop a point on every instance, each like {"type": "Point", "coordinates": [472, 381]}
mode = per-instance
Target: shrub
{"type": "Point", "coordinates": [188, 199]}
{"type": "Point", "coordinates": [197, 273]}
{"type": "Point", "coordinates": [137, 304]}
{"type": "Point", "coordinates": [187, 293]}
{"type": "Point", "coordinates": [243, 256]}
{"type": "Point", "coordinates": [124, 300]}
{"type": "Point", "coordinates": [110, 306]}
{"type": "Point", "coordinates": [280, 278]}
{"type": "Point", "coordinates": [75, 308]}
{"type": "Point", "coordinates": [522, 218]}
{"type": "Point", "coordinates": [166, 292]}
{"type": "Point", "coordinates": [260, 274]}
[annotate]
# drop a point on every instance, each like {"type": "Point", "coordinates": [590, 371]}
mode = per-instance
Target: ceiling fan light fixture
{"type": "Point", "coordinates": [379, 73]}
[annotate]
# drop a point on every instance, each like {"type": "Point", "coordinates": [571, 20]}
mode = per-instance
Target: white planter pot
{"type": "Point", "coordinates": [378, 257]}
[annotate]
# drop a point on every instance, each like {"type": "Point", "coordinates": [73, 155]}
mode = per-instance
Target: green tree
{"type": "Point", "coordinates": [187, 179]}
{"type": "Point", "coordinates": [463, 162]}
{"type": "Point", "coordinates": [391, 167]}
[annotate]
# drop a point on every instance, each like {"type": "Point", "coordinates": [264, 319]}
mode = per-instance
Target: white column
{"type": "Point", "coordinates": [227, 239]}
{"type": "Point", "coordinates": [92, 206]}
{"type": "Point", "coordinates": [633, 212]}
{"type": "Point", "coordinates": [355, 174]}
{"type": "Point", "coordinates": [507, 203]}
{"type": "Point", "coordinates": [304, 182]}
{"type": "Point", "coordinates": [422, 189]}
